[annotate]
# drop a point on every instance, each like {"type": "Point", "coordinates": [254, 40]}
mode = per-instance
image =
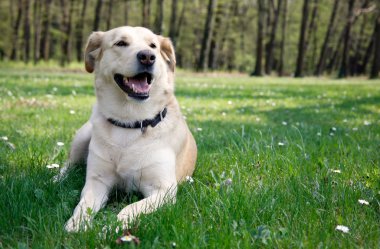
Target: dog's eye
{"type": "Point", "coordinates": [152, 45]}
{"type": "Point", "coordinates": [121, 44]}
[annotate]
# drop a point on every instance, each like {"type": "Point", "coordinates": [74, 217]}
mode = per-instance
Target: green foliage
{"type": "Point", "coordinates": [267, 171]}
{"type": "Point", "coordinates": [235, 35]}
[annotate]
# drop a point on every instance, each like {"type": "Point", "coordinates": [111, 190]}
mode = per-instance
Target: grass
{"type": "Point", "coordinates": [266, 173]}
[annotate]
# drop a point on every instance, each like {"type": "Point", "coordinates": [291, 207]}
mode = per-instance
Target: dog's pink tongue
{"type": "Point", "coordinates": [139, 85]}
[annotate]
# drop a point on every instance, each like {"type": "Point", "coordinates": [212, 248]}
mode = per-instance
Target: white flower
{"type": "Point", "coordinates": [199, 129]}
{"type": "Point", "coordinates": [319, 134]}
{"type": "Point", "coordinates": [224, 114]}
{"type": "Point", "coordinates": [4, 138]}
{"type": "Point", "coordinates": [342, 228]}
{"type": "Point", "coordinates": [228, 182]}
{"type": "Point", "coordinates": [363, 202]}
{"type": "Point", "coordinates": [281, 144]}
{"type": "Point", "coordinates": [60, 144]}
{"type": "Point", "coordinates": [355, 128]}
{"type": "Point", "coordinates": [345, 120]}
{"type": "Point", "coordinates": [333, 128]}
{"type": "Point", "coordinates": [336, 171]}
{"type": "Point", "coordinates": [229, 102]}
{"type": "Point", "coordinates": [52, 166]}
{"type": "Point", "coordinates": [72, 112]}
{"type": "Point", "coordinates": [366, 122]}
{"type": "Point", "coordinates": [189, 179]}
{"type": "Point", "coordinates": [284, 123]}
{"type": "Point", "coordinates": [258, 119]}
{"type": "Point", "coordinates": [117, 229]}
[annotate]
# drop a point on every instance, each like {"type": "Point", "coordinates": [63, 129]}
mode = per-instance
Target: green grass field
{"type": "Point", "coordinates": [281, 163]}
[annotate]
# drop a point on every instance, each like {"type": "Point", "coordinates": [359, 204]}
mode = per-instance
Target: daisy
{"type": "Point", "coordinates": [342, 228]}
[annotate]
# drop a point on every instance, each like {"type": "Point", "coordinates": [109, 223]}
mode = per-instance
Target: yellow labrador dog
{"type": "Point", "coordinates": [136, 138]}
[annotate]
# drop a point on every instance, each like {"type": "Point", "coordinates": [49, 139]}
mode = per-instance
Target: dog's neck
{"type": "Point", "coordinates": [140, 124]}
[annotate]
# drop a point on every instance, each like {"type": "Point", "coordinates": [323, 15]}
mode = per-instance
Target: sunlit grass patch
{"type": "Point", "coordinates": [282, 163]}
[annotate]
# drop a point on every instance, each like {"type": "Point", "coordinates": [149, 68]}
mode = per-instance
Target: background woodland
{"type": "Point", "coordinates": [260, 37]}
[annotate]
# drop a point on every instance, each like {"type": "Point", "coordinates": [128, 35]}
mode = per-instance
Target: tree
{"type": "Point", "coordinates": [302, 40]}
{"type": "Point", "coordinates": [45, 34]}
{"type": "Point", "coordinates": [173, 21]}
{"type": "Point", "coordinates": [98, 11]}
{"type": "Point", "coordinates": [159, 21]}
{"type": "Point", "coordinates": [376, 57]}
{"type": "Point", "coordinates": [16, 26]}
{"type": "Point", "coordinates": [272, 37]}
{"type": "Point", "coordinates": [146, 13]}
{"type": "Point", "coordinates": [109, 14]}
{"type": "Point", "coordinates": [260, 37]}
{"type": "Point", "coordinates": [343, 71]}
{"type": "Point", "coordinates": [79, 31]}
{"type": "Point", "coordinates": [26, 31]}
{"type": "Point", "coordinates": [283, 37]}
{"type": "Point", "coordinates": [67, 11]}
{"type": "Point", "coordinates": [207, 32]}
{"type": "Point", "coordinates": [214, 46]}
{"type": "Point", "coordinates": [312, 28]}
{"type": "Point", "coordinates": [323, 53]}
{"type": "Point", "coordinates": [37, 30]}
{"type": "Point", "coordinates": [126, 12]}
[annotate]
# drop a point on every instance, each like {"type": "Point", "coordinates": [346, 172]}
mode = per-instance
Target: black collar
{"type": "Point", "coordinates": [141, 124]}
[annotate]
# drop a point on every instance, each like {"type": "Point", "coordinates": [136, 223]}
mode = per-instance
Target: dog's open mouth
{"type": "Point", "coordinates": [137, 86]}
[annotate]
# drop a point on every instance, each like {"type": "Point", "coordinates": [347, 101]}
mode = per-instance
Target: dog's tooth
{"type": "Point", "coordinates": [133, 87]}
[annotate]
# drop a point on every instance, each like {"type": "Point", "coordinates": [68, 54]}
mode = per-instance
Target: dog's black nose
{"type": "Point", "coordinates": [146, 57]}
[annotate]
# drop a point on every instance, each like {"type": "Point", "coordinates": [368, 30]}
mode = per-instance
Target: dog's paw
{"type": "Point", "coordinates": [73, 226]}
{"type": "Point", "coordinates": [125, 218]}
{"type": "Point", "coordinates": [58, 178]}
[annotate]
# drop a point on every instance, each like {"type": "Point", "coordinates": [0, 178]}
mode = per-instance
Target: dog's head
{"type": "Point", "coordinates": [133, 59]}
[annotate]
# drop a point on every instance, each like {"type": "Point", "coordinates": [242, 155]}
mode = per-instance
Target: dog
{"type": "Point", "coordinates": [136, 138]}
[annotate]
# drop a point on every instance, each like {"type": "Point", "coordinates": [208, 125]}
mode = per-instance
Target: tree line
{"type": "Point", "coordinates": [261, 37]}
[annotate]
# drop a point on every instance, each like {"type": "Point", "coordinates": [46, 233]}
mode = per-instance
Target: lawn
{"type": "Point", "coordinates": [282, 162]}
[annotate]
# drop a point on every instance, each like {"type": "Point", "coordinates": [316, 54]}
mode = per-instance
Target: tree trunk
{"type": "Point", "coordinates": [181, 19]}
{"type": "Point", "coordinates": [37, 30]}
{"type": "Point", "coordinates": [159, 21]}
{"type": "Point", "coordinates": [16, 27]}
{"type": "Point", "coordinates": [66, 28]}
{"type": "Point", "coordinates": [302, 41]}
{"type": "Point", "coordinates": [207, 33]}
{"type": "Point", "coordinates": [109, 14]}
{"type": "Point", "coordinates": [368, 53]}
{"type": "Point", "coordinates": [26, 31]}
{"type": "Point", "coordinates": [312, 27]}
{"type": "Point", "coordinates": [376, 57]}
{"type": "Point", "coordinates": [323, 55]}
{"type": "Point", "coordinates": [98, 11]}
{"type": "Point", "coordinates": [173, 21]}
{"type": "Point", "coordinates": [45, 34]}
{"type": "Point", "coordinates": [283, 37]}
{"type": "Point", "coordinates": [214, 46]}
{"type": "Point", "coordinates": [358, 55]}
{"type": "Point", "coordinates": [272, 38]}
{"type": "Point", "coordinates": [79, 32]}
{"type": "Point", "coordinates": [126, 12]}
{"type": "Point", "coordinates": [260, 36]}
{"type": "Point", "coordinates": [146, 13]}
{"type": "Point", "coordinates": [344, 69]}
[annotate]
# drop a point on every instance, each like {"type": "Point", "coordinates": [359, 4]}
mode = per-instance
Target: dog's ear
{"type": "Point", "coordinates": [92, 50]}
{"type": "Point", "coordinates": [167, 51]}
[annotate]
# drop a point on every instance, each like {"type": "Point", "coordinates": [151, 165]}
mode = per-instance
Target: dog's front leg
{"type": "Point", "coordinates": [148, 204]}
{"type": "Point", "coordinates": [78, 151]}
{"type": "Point", "coordinates": [99, 181]}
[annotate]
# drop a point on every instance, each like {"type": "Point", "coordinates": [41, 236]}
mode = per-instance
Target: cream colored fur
{"type": "Point", "coordinates": [151, 162]}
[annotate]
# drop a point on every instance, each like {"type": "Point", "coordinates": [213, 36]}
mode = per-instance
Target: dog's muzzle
{"type": "Point", "coordinates": [137, 87]}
